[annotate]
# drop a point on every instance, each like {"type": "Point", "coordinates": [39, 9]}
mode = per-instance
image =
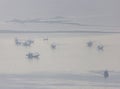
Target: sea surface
{"type": "Point", "coordinates": [71, 65]}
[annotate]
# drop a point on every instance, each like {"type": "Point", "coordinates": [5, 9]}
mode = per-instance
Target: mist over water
{"type": "Point", "coordinates": [59, 44]}
{"type": "Point", "coordinates": [69, 65]}
{"type": "Point", "coordinates": [72, 63]}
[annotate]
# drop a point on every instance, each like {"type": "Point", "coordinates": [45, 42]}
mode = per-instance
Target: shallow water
{"type": "Point", "coordinates": [67, 66]}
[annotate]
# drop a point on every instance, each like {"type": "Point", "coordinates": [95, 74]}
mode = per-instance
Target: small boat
{"type": "Point", "coordinates": [53, 45]}
{"type": "Point", "coordinates": [23, 42]}
{"type": "Point", "coordinates": [106, 74]}
{"type": "Point", "coordinates": [100, 47]}
{"type": "Point", "coordinates": [31, 55]}
{"type": "Point", "coordinates": [27, 43]}
{"type": "Point", "coordinates": [90, 43]}
{"type": "Point", "coordinates": [17, 42]}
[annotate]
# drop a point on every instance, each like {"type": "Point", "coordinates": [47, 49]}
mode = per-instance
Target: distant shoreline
{"type": "Point", "coordinates": [14, 31]}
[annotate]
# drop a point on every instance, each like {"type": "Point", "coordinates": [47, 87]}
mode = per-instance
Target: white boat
{"type": "Point", "coordinates": [23, 42]}
{"type": "Point", "coordinates": [31, 55]}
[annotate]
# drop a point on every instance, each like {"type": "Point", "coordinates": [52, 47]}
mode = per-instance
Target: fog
{"type": "Point", "coordinates": [89, 11]}
{"type": "Point", "coordinates": [59, 44]}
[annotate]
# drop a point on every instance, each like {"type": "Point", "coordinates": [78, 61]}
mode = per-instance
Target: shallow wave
{"type": "Point", "coordinates": [50, 80]}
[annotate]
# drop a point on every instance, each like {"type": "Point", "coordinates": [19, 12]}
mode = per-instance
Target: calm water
{"type": "Point", "coordinates": [66, 67]}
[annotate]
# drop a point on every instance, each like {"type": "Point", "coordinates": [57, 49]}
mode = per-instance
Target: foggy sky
{"type": "Point", "coordinates": [89, 10]}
